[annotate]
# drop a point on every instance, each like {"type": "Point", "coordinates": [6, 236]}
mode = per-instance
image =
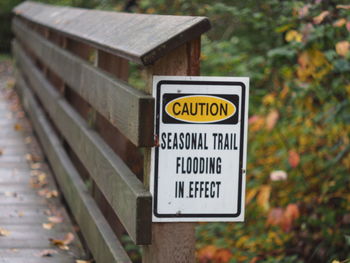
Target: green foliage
{"type": "Point", "coordinates": [5, 23]}
{"type": "Point", "coordinates": [297, 56]}
{"type": "Point", "coordinates": [298, 186]}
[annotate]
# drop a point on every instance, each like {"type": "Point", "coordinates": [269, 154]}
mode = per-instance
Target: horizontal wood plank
{"type": "Point", "coordinates": [103, 244]}
{"type": "Point", "coordinates": [125, 193]}
{"type": "Point", "coordinates": [128, 109]}
{"type": "Point", "coordinates": [137, 37]}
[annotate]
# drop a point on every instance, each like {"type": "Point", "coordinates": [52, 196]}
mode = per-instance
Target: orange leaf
{"type": "Point", "coordinates": [17, 127]}
{"type": "Point", "coordinates": [293, 158]}
{"type": "Point", "coordinates": [58, 243]}
{"type": "Point", "coordinates": [256, 123]}
{"type": "Point", "coordinates": [271, 119]}
{"type": "Point", "coordinates": [340, 22]}
{"type": "Point", "coordinates": [292, 211]}
{"type": "Point", "coordinates": [263, 197]}
{"type": "Point", "coordinates": [222, 256]}
{"type": "Point", "coordinates": [48, 226]}
{"type": "Point", "coordinates": [68, 238]}
{"type": "Point", "coordinates": [343, 6]}
{"type": "Point", "coordinates": [4, 232]}
{"type": "Point", "coordinates": [318, 19]}
{"type": "Point", "coordinates": [275, 216]}
{"type": "Point", "coordinates": [55, 219]}
{"type": "Point", "coordinates": [63, 244]}
{"type": "Point", "coordinates": [206, 254]}
{"type": "Point", "coordinates": [342, 48]}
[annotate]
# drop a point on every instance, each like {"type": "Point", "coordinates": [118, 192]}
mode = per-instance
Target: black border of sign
{"type": "Point", "coordinates": [240, 179]}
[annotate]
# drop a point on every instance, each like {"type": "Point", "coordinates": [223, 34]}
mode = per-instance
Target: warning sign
{"type": "Point", "coordinates": [198, 166]}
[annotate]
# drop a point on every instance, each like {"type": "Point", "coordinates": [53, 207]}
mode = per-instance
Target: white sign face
{"type": "Point", "coordinates": [198, 166]}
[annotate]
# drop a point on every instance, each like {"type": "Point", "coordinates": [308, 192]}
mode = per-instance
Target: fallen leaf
{"type": "Point", "coordinates": [1, 152]}
{"type": "Point", "coordinates": [18, 127]}
{"type": "Point", "coordinates": [293, 158]}
{"type": "Point", "coordinates": [35, 165]}
{"type": "Point", "coordinates": [47, 193]}
{"type": "Point", "coordinates": [28, 140]}
{"type": "Point", "coordinates": [82, 261]}
{"type": "Point", "coordinates": [48, 226]}
{"type": "Point", "coordinates": [263, 197]}
{"type": "Point", "coordinates": [55, 219]}
{"type": "Point", "coordinates": [58, 243]}
{"type": "Point", "coordinates": [271, 119]}
{"type": "Point", "coordinates": [278, 175]}
{"type": "Point", "coordinates": [318, 19]}
{"type": "Point", "coordinates": [4, 232]}
{"type": "Point", "coordinates": [342, 48]}
{"type": "Point", "coordinates": [47, 253]}
{"type": "Point", "coordinates": [42, 177]}
{"type": "Point", "coordinates": [340, 22]}
{"type": "Point", "coordinates": [38, 181]}
{"type": "Point", "coordinates": [68, 238]}
{"type": "Point", "coordinates": [20, 214]}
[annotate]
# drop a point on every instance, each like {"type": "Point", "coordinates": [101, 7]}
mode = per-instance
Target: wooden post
{"type": "Point", "coordinates": [172, 242]}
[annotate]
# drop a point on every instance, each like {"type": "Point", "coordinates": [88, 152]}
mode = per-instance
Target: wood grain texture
{"type": "Point", "coordinates": [125, 193]}
{"type": "Point", "coordinates": [172, 242]}
{"type": "Point", "coordinates": [113, 64]}
{"type": "Point", "coordinates": [130, 110]}
{"type": "Point", "coordinates": [103, 244]}
{"type": "Point", "coordinates": [137, 37]}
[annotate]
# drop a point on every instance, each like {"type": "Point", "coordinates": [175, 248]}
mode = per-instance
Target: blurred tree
{"type": "Point", "coordinates": [5, 23]}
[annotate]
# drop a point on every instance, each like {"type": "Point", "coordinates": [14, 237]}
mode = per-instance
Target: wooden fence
{"type": "Point", "coordinates": [95, 128]}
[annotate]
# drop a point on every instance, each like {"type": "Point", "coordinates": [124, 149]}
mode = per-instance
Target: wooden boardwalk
{"type": "Point", "coordinates": [34, 225]}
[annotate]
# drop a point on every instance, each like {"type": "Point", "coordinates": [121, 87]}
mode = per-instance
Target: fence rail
{"type": "Point", "coordinates": [95, 128]}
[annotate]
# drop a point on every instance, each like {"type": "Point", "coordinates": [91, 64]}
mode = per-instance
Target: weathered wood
{"type": "Point", "coordinates": [103, 244]}
{"type": "Point", "coordinates": [23, 210]}
{"type": "Point", "coordinates": [130, 110]}
{"type": "Point", "coordinates": [172, 242]}
{"type": "Point", "coordinates": [136, 37]}
{"type": "Point", "coordinates": [20, 255]}
{"type": "Point", "coordinates": [122, 189]}
{"type": "Point", "coordinates": [113, 64]}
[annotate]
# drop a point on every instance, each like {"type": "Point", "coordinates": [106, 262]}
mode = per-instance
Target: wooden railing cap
{"type": "Point", "coordinates": [140, 38]}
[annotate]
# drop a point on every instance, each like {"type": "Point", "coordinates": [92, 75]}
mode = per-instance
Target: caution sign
{"type": "Point", "coordinates": [198, 165]}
